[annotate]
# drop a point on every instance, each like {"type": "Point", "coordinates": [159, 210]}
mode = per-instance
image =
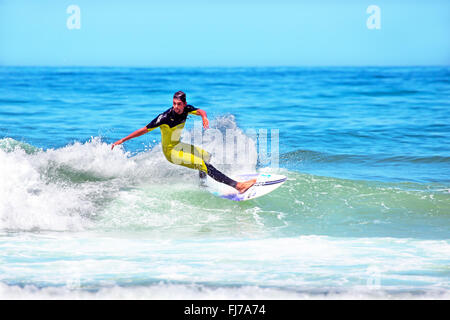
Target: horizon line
{"type": "Point", "coordinates": [223, 66]}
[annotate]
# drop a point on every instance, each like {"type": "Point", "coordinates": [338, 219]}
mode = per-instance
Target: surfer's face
{"type": "Point", "coordinates": [178, 106]}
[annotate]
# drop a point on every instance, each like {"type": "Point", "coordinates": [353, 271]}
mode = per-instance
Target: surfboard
{"type": "Point", "coordinates": [265, 183]}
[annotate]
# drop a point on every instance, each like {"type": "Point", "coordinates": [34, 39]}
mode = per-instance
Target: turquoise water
{"type": "Point", "coordinates": [365, 212]}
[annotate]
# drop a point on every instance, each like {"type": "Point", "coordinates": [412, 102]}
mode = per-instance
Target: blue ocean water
{"type": "Point", "coordinates": [365, 212]}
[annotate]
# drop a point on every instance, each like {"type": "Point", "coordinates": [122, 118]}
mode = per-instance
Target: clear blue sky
{"type": "Point", "coordinates": [224, 33]}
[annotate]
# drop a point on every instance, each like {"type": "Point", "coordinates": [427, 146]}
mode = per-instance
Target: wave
{"type": "Point", "coordinates": [323, 157]}
{"type": "Point", "coordinates": [7, 101]}
{"type": "Point", "coordinates": [86, 186]}
{"type": "Point", "coordinates": [72, 187]}
{"type": "Point", "coordinates": [400, 93]}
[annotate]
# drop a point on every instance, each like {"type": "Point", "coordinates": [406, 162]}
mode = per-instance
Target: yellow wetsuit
{"type": "Point", "coordinates": [171, 125]}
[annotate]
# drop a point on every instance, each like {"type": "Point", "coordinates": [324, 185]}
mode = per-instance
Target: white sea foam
{"type": "Point", "coordinates": [28, 202]}
{"type": "Point", "coordinates": [40, 190]}
{"type": "Point", "coordinates": [61, 189]}
{"type": "Point", "coordinates": [269, 268]}
{"type": "Point", "coordinates": [163, 291]}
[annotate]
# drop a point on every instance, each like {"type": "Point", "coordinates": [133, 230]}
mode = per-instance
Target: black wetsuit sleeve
{"type": "Point", "coordinates": [190, 109]}
{"type": "Point", "coordinates": [155, 123]}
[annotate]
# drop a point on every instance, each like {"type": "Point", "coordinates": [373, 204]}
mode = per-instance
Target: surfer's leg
{"type": "Point", "coordinates": [205, 156]}
{"type": "Point", "coordinates": [219, 176]}
{"type": "Point", "coordinates": [196, 158]}
{"type": "Point", "coordinates": [202, 176]}
{"type": "Point", "coordinates": [244, 186]}
{"type": "Point", "coordinates": [189, 156]}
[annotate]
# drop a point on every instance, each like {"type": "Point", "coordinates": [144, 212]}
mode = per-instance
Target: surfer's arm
{"type": "Point", "coordinates": [135, 134]}
{"type": "Point", "coordinates": [202, 113]}
{"type": "Point", "coordinates": [159, 120]}
{"type": "Point", "coordinates": [198, 112]}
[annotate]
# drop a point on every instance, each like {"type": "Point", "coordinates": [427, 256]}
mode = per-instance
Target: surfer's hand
{"type": "Point", "coordinates": [116, 143]}
{"type": "Point", "coordinates": [205, 122]}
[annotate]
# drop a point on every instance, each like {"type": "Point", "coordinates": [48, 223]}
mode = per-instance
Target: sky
{"type": "Point", "coordinates": [224, 33]}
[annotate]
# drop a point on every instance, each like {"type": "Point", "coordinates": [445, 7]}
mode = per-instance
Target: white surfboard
{"type": "Point", "coordinates": [265, 183]}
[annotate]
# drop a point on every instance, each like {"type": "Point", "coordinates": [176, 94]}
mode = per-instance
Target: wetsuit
{"type": "Point", "coordinates": [171, 124]}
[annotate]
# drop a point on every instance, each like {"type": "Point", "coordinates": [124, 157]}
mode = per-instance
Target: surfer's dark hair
{"type": "Point", "coordinates": [180, 95]}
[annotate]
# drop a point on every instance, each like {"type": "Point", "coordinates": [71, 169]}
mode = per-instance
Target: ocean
{"type": "Point", "coordinates": [364, 214]}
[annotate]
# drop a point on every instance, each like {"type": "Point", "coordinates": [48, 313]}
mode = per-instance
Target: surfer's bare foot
{"type": "Point", "coordinates": [244, 186]}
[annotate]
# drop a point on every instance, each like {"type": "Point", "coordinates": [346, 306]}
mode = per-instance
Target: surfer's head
{"type": "Point", "coordinates": [179, 102]}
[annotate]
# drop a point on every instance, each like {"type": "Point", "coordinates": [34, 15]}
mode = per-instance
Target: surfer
{"type": "Point", "coordinates": [171, 122]}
